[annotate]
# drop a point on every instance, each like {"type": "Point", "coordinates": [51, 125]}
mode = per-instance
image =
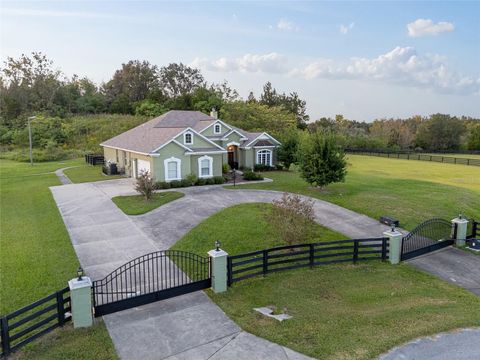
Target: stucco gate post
{"type": "Point", "coordinates": [395, 245]}
{"type": "Point", "coordinates": [218, 262]}
{"type": "Point", "coordinates": [81, 300]}
{"type": "Point", "coordinates": [461, 233]}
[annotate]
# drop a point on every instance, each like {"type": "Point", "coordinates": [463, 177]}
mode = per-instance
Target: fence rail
{"type": "Point", "coordinates": [416, 156]}
{"type": "Point", "coordinates": [262, 262]}
{"type": "Point", "coordinates": [32, 321]}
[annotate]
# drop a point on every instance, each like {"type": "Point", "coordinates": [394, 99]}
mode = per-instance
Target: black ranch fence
{"type": "Point", "coordinates": [414, 156]}
{"type": "Point", "coordinates": [281, 258]}
{"type": "Point", "coordinates": [473, 229]}
{"type": "Point", "coordinates": [32, 321]}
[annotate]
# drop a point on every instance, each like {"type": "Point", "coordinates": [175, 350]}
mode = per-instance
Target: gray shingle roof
{"type": "Point", "coordinates": [151, 135]}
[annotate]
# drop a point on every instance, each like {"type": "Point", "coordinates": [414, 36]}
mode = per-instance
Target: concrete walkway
{"type": "Point", "coordinates": [185, 327]}
{"type": "Point", "coordinates": [62, 177]}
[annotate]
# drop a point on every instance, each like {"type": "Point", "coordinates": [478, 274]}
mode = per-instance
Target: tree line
{"type": "Point", "coordinates": [76, 113]}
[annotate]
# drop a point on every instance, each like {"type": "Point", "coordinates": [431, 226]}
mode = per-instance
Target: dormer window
{"type": "Point", "coordinates": [217, 129]}
{"type": "Point", "coordinates": [188, 138]}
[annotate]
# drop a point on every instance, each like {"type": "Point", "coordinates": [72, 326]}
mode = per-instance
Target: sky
{"type": "Point", "coordinates": [364, 60]}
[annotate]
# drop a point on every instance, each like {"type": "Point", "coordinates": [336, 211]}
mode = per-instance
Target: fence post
{"type": "Point", "coordinates": [81, 301]}
{"type": "Point", "coordinates": [265, 262]}
{"type": "Point", "coordinates": [312, 255]}
{"type": "Point", "coordinates": [355, 251]}
{"type": "Point", "coordinates": [229, 271]}
{"type": "Point", "coordinates": [218, 261]}
{"type": "Point", "coordinates": [395, 240]}
{"type": "Point", "coordinates": [60, 309]}
{"type": "Point", "coordinates": [5, 336]}
{"type": "Point", "coordinates": [384, 249]}
{"type": "Point", "coordinates": [461, 230]}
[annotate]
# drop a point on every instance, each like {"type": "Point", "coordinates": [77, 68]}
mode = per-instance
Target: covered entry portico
{"type": "Point", "coordinates": [232, 149]}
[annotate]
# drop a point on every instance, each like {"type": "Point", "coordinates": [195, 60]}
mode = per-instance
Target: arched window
{"type": "Point", "coordinates": [188, 138]}
{"type": "Point", "coordinates": [172, 169]}
{"type": "Point", "coordinates": [205, 166]}
{"type": "Point", "coordinates": [217, 129]}
{"type": "Point", "coordinates": [264, 157]}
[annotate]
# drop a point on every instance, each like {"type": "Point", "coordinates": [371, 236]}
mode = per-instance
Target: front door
{"type": "Point", "coordinates": [231, 159]}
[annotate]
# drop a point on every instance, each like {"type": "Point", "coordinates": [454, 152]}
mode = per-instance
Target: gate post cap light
{"type": "Point", "coordinates": [217, 245]}
{"type": "Point", "coordinates": [80, 273]}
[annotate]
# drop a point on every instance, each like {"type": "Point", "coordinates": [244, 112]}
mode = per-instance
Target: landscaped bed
{"type": "Point", "coordinates": [136, 204]}
{"type": "Point", "coordinates": [339, 311]}
{"type": "Point", "coordinates": [411, 191]}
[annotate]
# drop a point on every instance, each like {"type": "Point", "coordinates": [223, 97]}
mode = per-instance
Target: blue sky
{"type": "Point", "coordinates": [365, 60]}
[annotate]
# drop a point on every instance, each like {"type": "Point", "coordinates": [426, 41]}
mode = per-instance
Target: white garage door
{"type": "Point", "coordinates": [143, 165]}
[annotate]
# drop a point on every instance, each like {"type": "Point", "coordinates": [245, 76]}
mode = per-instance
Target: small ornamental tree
{"type": "Point", "coordinates": [293, 218]}
{"type": "Point", "coordinates": [321, 160]}
{"type": "Point", "coordinates": [145, 185]}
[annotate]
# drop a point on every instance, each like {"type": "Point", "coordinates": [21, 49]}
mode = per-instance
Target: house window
{"type": "Point", "coordinates": [264, 157]}
{"type": "Point", "coordinates": [205, 166]}
{"type": "Point", "coordinates": [217, 129]}
{"type": "Point", "coordinates": [188, 138]}
{"type": "Point", "coordinates": [172, 169]}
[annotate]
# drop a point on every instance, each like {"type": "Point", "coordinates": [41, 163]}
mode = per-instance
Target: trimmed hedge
{"type": "Point", "coordinates": [251, 176]}
{"type": "Point", "coordinates": [161, 185]}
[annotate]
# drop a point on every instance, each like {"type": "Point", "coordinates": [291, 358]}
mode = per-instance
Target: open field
{"type": "Point", "coordinates": [136, 204]}
{"type": "Point", "coordinates": [339, 311]}
{"type": "Point", "coordinates": [412, 191]}
{"type": "Point", "coordinates": [36, 255]}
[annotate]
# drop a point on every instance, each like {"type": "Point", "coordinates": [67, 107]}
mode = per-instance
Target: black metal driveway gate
{"type": "Point", "coordinates": [151, 277]}
{"type": "Point", "coordinates": [429, 236]}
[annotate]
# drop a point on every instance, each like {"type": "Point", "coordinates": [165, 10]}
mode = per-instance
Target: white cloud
{"type": "Point", "coordinates": [425, 27]}
{"type": "Point", "coordinates": [345, 29]}
{"type": "Point", "coordinates": [286, 25]}
{"type": "Point", "coordinates": [401, 66]}
{"type": "Point", "coordinates": [266, 63]}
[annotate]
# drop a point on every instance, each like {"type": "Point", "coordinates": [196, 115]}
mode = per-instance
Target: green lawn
{"type": "Point", "coordinates": [412, 191]}
{"type": "Point", "coordinates": [88, 173]}
{"type": "Point", "coordinates": [339, 311]}
{"type": "Point", "coordinates": [136, 204]}
{"type": "Point", "coordinates": [36, 256]}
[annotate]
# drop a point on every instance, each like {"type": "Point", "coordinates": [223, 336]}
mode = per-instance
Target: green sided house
{"type": "Point", "coordinates": [180, 143]}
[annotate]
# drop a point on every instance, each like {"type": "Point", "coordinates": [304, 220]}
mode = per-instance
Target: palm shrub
{"type": "Point", "coordinates": [321, 160]}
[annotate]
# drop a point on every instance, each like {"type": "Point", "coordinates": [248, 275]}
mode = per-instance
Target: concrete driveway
{"type": "Point", "coordinates": [191, 326]}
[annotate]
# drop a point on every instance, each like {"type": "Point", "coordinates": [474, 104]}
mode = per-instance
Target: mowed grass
{"type": "Point", "coordinates": [88, 173]}
{"type": "Point", "coordinates": [241, 228]}
{"type": "Point", "coordinates": [136, 204]}
{"type": "Point", "coordinates": [37, 257]}
{"type": "Point", "coordinates": [339, 311]}
{"type": "Point", "coordinates": [412, 191]}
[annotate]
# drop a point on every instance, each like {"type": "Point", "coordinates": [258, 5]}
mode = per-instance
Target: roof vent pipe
{"type": "Point", "coordinates": [213, 113]}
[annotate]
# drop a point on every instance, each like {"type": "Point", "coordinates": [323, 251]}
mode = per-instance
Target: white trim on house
{"type": "Point", "coordinates": [266, 146]}
{"type": "Point", "coordinates": [261, 152]}
{"type": "Point", "coordinates": [118, 148]}
{"type": "Point", "coordinates": [179, 168]}
{"type": "Point", "coordinates": [206, 152]}
{"type": "Point", "coordinates": [216, 121]}
{"type": "Point", "coordinates": [174, 141]}
{"type": "Point", "coordinates": [210, 166]}
{"type": "Point", "coordinates": [233, 143]}
{"type": "Point", "coordinates": [242, 137]}
{"type": "Point", "coordinates": [201, 136]}
{"type": "Point", "coordinates": [185, 134]}
{"type": "Point", "coordinates": [263, 135]}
